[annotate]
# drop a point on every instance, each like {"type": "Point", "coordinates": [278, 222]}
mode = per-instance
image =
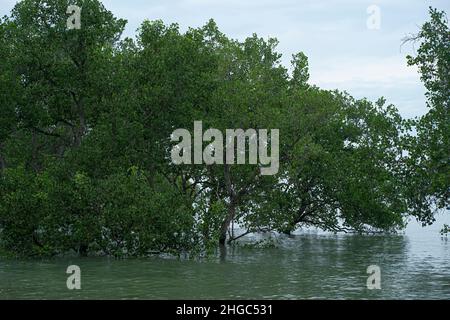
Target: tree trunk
{"type": "Point", "coordinates": [226, 223]}
{"type": "Point", "coordinates": [2, 159]}
{"type": "Point", "coordinates": [301, 213]}
{"type": "Point", "coordinates": [83, 250]}
{"type": "Point", "coordinates": [80, 130]}
{"type": "Point", "coordinates": [34, 152]}
{"type": "Point", "coordinates": [231, 207]}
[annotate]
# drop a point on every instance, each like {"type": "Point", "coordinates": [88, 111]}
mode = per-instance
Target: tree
{"type": "Point", "coordinates": [85, 140]}
{"type": "Point", "coordinates": [430, 147]}
{"type": "Point", "coordinates": [9, 93]}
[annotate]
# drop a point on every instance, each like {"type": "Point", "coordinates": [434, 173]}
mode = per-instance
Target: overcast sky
{"type": "Point", "coordinates": [343, 52]}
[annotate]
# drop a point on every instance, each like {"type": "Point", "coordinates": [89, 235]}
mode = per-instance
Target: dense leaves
{"type": "Point", "coordinates": [430, 146]}
{"type": "Point", "coordinates": [86, 121]}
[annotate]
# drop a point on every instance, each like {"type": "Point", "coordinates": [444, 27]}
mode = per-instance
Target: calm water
{"type": "Point", "coordinates": [306, 266]}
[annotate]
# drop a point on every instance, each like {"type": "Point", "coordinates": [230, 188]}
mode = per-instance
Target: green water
{"type": "Point", "coordinates": [306, 266]}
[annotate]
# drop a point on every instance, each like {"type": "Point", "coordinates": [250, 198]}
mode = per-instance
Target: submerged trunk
{"type": "Point", "coordinates": [83, 250]}
{"type": "Point", "coordinates": [226, 223]}
{"type": "Point", "coordinates": [231, 207]}
{"type": "Point", "coordinates": [301, 214]}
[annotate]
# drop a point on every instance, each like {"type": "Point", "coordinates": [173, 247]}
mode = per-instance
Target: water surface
{"type": "Point", "coordinates": [311, 265]}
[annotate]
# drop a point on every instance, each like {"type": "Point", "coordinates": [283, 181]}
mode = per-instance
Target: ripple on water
{"type": "Point", "coordinates": [305, 266]}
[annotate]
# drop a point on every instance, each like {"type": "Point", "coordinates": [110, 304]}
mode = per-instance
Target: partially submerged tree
{"type": "Point", "coordinates": [429, 147]}
{"type": "Point", "coordinates": [85, 140]}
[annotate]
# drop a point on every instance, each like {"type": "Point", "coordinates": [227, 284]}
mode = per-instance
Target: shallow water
{"type": "Point", "coordinates": [310, 265]}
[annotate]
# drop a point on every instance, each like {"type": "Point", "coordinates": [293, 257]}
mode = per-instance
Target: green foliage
{"type": "Point", "coordinates": [85, 126]}
{"type": "Point", "coordinates": [23, 204]}
{"type": "Point", "coordinates": [430, 147]}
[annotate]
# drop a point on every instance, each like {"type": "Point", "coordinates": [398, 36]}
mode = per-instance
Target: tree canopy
{"type": "Point", "coordinates": [430, 146]}
{"type": "Point", "coordinates": [86, 118]}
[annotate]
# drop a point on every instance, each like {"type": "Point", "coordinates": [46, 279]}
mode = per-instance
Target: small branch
{"type": "Point", "coordinates": [45, 132]}
{"type": "Point", "coordinates": [239, 236]}
{"type": "Point", "coordinates": [66, 122]}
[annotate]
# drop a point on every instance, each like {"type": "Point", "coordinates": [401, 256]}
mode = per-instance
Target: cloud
{"type": "Point", "coordinates": [385, 71]}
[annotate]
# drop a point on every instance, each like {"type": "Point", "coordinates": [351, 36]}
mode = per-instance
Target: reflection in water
{"type": "Point", "coordinates": [305, 266]}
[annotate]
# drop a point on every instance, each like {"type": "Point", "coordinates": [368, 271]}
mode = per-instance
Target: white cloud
{"type": "Point", "coordinates": [384, 71]}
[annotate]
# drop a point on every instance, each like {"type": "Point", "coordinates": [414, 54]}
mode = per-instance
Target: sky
{"type": "Point", "coordinates": [347, 46]}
